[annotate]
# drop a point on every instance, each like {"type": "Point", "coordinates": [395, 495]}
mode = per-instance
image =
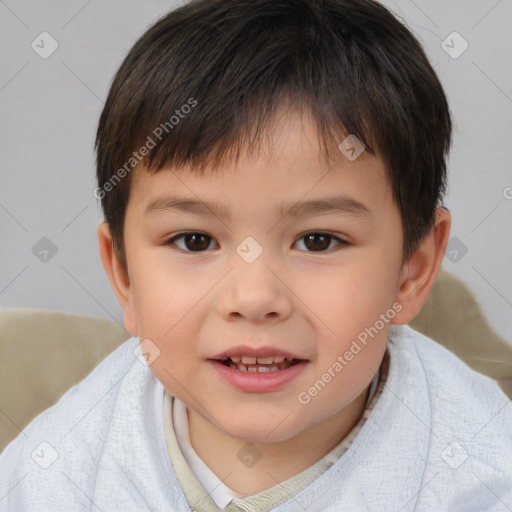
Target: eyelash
{"type": "Point", "coordinates": [341, 242]}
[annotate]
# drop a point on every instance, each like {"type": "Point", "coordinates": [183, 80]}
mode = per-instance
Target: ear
{"type": "Point", "coordinates": [118, 277]}
{"type": "Point", "coordinates": [419, 273]}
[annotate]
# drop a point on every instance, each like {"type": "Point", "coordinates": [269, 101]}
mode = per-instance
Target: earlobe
{"type": "Point", "coordinates": [118, 277]}
{"type": "Point", "coordinates": [419, 273]}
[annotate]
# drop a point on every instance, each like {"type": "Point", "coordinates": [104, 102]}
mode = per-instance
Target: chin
{"type": "Point", "coordinates": [257, 430]}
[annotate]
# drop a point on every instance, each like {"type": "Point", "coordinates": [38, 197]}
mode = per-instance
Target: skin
{"type": "Point", "coordinates": [310, 299]}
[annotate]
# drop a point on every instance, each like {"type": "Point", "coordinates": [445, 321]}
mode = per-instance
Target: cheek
{"type": "Point", "coordinates": [178, 361]}
{"type": "Point", "coordinates": [167, 305]}
{"type": "Point", "coordinates": [352, 298]}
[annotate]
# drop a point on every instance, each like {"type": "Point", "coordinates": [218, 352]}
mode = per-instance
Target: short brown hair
{"type": "Point", "coordinates": [351, 63]}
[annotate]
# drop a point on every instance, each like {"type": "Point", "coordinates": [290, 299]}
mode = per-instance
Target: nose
{"type": "Point", "coordinates": [254, 291]}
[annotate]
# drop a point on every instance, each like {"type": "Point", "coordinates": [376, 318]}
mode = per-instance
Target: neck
{"type": "Point", "coordinates": [279, 460]}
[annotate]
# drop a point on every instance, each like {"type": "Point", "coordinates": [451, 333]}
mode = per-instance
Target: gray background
{"type": "Point", "coordinates": [49, 109]}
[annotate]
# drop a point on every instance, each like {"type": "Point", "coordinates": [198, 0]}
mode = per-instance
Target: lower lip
{"type": "Point", "coordinates": [258, 382]}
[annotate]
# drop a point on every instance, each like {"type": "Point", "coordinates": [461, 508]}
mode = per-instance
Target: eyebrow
{"type": "Point", "coordinates": [334, 204]}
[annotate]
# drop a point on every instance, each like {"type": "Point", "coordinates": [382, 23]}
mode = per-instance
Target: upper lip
{"type": "Point", "coordinates": [246, 350]}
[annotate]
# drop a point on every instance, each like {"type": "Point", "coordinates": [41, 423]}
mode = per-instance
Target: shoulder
{"type": "Point", "coordinates": [470, 420]}
{"type": "Point", "coordinates": [452, 384]}
{"type": "Point", "coordinates": [73, 428]}
{"type": "Point", "coordinates": [448, 376]}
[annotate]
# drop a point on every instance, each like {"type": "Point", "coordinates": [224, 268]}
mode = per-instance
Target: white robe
{"type": "Point", "coordinates": [439, 439]}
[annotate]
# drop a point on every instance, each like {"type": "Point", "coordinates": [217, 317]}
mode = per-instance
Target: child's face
{"type": "Point", "coordinates": [310, 297]}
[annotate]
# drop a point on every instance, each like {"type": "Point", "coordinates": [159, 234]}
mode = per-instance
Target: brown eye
{"type": "Point", "coordinates": [193, 242]}
{"type": "Point", "coordinates": [317, 242]}
{"type": "Point", "coordinates": [320, 242]}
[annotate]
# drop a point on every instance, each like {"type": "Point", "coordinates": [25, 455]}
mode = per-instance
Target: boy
{"type": "Point", "coordinates": [268, 281]}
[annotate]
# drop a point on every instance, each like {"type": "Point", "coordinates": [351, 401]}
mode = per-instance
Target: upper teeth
{"type": "Point", "coordinates": [258, 360]}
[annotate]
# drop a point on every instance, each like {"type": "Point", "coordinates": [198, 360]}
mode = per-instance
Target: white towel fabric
{"type": "Point", "coordinates": [439, 438]}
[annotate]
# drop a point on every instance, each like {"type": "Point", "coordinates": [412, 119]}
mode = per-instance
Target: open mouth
{"type": "Point", "coordinates": [258, 374]}
{"type": "Point", "coordinates": [260, 365]}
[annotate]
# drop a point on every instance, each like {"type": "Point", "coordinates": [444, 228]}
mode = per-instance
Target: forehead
{"type": "Point", "coordinates": [288, 168]}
